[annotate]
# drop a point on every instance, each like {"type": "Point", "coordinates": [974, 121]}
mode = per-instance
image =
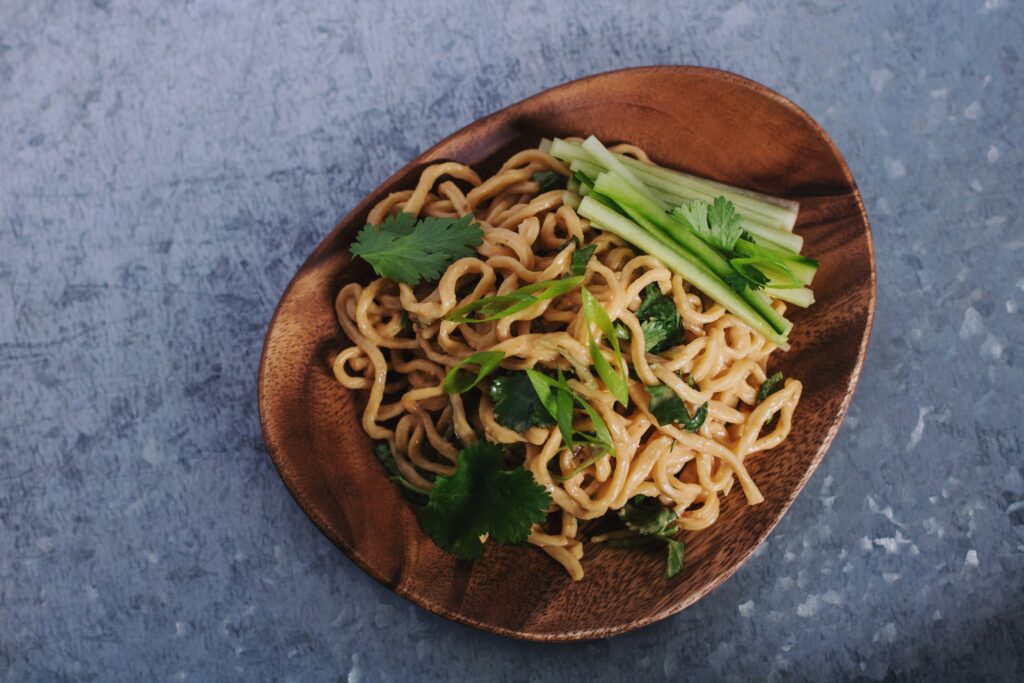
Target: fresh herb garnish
{"type": "Point", "coordinates": [503, 305]}
{"type": "Point", "coordinates": [717, 224]}
{"type": "Point", "coordinates": [458, 382]}
{"type": "Point", "coordinates": [414, 493]}
{"type": "Point", "coordinates": [615, 380]}
{"type": "Point", "coordinates": [668, 408]}
{"type": "Point", "coordinates": [549, 180]}
{"type": "Point", "coordinates": [653, 523]}
{"type": "Point", "coordinates": [516, 404]}
{"type": "Point", "coordinates": [769, 387]}
{"type": "Point", "coordinates": [559, 400]}
{"type": "Point", "coordinates": [408, 250]}
{"type": "Point", "coordinates": [659, 319]}
{"type": "Point", "coordinates": [580, 258]}
{"type": "Point", "coordinates": [744, 275]}
{"type": "Point", "coordinates": [480, 498]}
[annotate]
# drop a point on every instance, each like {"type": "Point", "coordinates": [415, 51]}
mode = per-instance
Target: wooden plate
{"type": "Point", "coordinates": [708, 122]}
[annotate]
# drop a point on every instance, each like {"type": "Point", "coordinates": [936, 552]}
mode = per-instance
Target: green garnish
{"type": "Point", "coordinates": [595, 315]}
{"type": "Point", "coordinates": [383, 453]}
{"type": "Point", "coordinates": [580, 258]}
{"type": "Point", "coordinates": [516, 404]}
{"type": "Point", "coordinates": [549, 180]}
{"type": "Point", "coordinates": [717, 224]}
{"type": "Point", "coordinates": [479, 498]}
{"type": "Point", "coordinates": [659, 319]}
{"type": "Point", "coordinates": [458, 382]}
{"type": "Point", "coordinates": [667, 408]}
{"type": "Point", "coordinates": [674, 562]}
{"type": "Point", "coordinates": [653, 523]}
{"type": "Point", "coordinates": [410, 251]}
{"type": "Point", "coordinates": [503, 305]}
{"type": "Point", "coordinates": [559, 400]}
{"type": "Point", "coordinates": [770, 386]}
{"type": "Point", "coordinates": [745, 275]}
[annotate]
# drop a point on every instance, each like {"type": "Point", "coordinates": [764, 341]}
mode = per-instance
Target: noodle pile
{"type": "Point", "coordinates": [402, 350]}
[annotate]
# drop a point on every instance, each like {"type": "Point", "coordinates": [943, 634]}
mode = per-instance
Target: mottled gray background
{"type": "Point", "coordinates": [164, 169]}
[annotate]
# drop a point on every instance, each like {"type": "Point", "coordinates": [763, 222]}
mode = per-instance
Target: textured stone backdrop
{"type": "Point", "coordinates": [164, 169]}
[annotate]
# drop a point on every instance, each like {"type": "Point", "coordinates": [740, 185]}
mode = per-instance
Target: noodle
{"type": "Point", "coordinates": [400, 367]}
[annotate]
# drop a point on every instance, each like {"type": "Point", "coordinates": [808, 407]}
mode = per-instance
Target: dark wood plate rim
{"type": "Point", "coordinates": [325, 525]}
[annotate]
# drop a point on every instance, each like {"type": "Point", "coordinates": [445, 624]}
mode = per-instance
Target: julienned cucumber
{"type": "Point", "coordinates": [643, 210]}
{"type": "Point", "coordinates": [681, 261]}
{"type": "Point", "coordinates": [670, 198]}
{"type": "Point", "coordinates": [770, 210]}
{"type": "Point", "coordinates": [803, 267]}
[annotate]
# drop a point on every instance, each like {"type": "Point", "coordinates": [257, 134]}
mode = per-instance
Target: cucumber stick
{"type": "Point", "coordinates": [772, 211]}
{"type": "Point", "coordinates": [638, 206]}
{"type": "Point", "coordinates": [680, 261]}
{"type": "Point", "coordinates": [668, 199]}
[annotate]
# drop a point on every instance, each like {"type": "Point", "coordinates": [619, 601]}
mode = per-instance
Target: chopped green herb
{"type": "Point", "coordinates": [769, 387]}
{"type": "Point", "coordinates": [668, 408]}
{"type": "Point", "coordinates": [408, 250]}
{"type": "Point", "coordinates": [503, 305]}
{"type": "Point", "coordinates": [458, 382]}
{"type": "Point", "coordinates": [676, 550]}
{"type": "Point", "coordinates": [558, 399]}
{"type": "Point", "coordinates": [653, 523]}
{"type": "Point", "coordinates": [659, 319]}
{"type": "Point", "coordinates": [622, 332]}
{"type": "Point", "coordinates": [716, 224]}
{"type": "Point", "coordinates": [549, 180]}
{"type": "Point", "coordinates": [647, 516]}
{"type": "Point", "coordinates": [516, 404]}
{"type": "Point", "coordinates": [615, 380]}
{"type": "Point", "coordinates": [580, 258]}
{"type": "Point", "coordinates": [479, 498]}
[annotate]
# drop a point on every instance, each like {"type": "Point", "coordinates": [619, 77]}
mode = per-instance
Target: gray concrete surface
{"type": "Point", "coordinates": [164, 169]}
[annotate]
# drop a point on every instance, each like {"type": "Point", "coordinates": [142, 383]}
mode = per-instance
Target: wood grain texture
{"type": "Point", "coordinates": [711, 123]}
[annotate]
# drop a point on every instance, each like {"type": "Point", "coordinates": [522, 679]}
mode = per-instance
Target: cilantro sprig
{"type": "Point", "coordinates": [516, 404]}
{"type": "Point", "coordinates": [668, 408]}
{"type": "Point", "coordinates": [653, 523]}
{"type": "Point", "coordinates": [482, 498]}
{"type": "Point", "coordinates": [407, 250]}
{"type": "Point", "coordinates": [659, 319]}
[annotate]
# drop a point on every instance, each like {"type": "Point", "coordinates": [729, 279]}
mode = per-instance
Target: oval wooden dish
{"type": "Point", "coordinates": [711, 123]}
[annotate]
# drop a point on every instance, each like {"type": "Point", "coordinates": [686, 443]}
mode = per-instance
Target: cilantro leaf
{"type": "Point", "coordinates": [654, 522]}
{"type": "Point", "coordinates": [668, 408]}
{"type": "Point", "coordinates": [580, 259]}
{"type": "Point", "coordinates": [482, 498]}
{"type": "Point", "coordinates": [659, 320]}
{"type": "Point", "coordinates": [695, 214]}
{"type": "Point", "coordinates": [516, 405]}
{"type": "Point", "coordinates": [674, 565]}
{"type": "Point", "coordinates": [648, 516]}
{"type": "Point", "coordinates": [749, 275]}
{"type": "Point", "coordinates": [718, 224]}
{"type": "Point", "coordinates": [456, 382]}
{"type": "Point", "coordinates": [725, 223]}
{"type": "Point", "coordinates": [410, 251]}
{"type": "Point", "coordinates": [549, 180]}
